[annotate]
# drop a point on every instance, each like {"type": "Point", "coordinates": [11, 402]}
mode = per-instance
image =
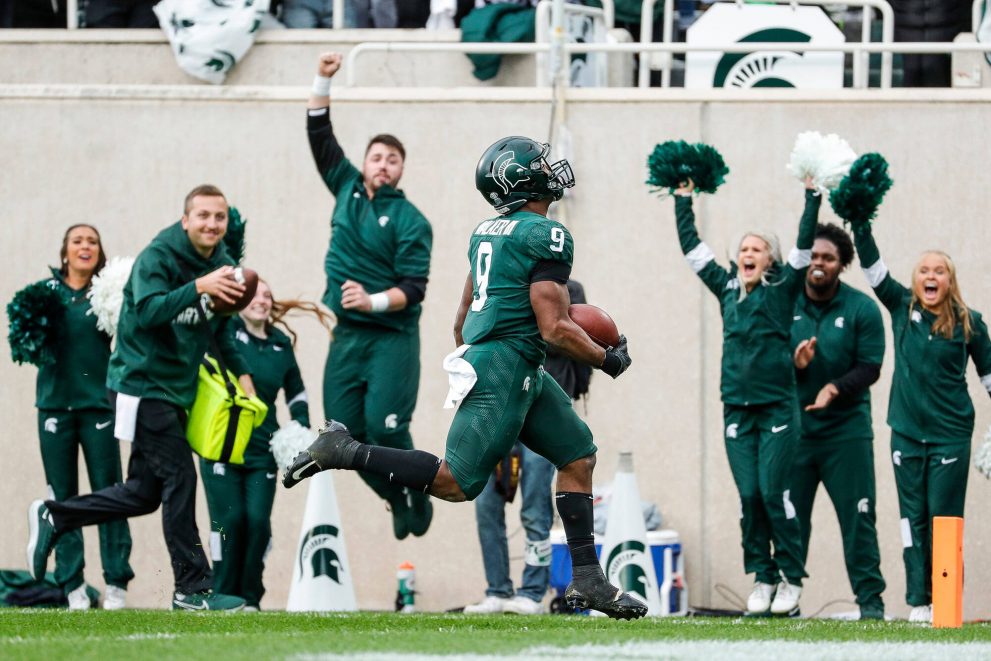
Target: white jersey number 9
{"type": "Point", "coordinates": [557, 236]}
{"type": "Point", "coordinates": [483, 263]}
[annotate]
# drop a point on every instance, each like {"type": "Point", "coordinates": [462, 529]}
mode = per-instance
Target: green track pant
{"type": "Point", "coordinates": [240, 502]}
{"type": "Point", "coordinates": [62, 434]}
{"type": "Point", "coordinates": [370, 384]}
{"type": "Point", "coordinates": [846, 468]}
{"type": "Point", "coordinates": [931, 481]}
{"type": "Point", "coordinates": [760, 445]}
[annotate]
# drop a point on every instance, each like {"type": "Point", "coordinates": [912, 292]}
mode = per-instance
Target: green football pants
{"type": "Point", "coordinates": [370, 384]}
{"type": "Point", "coordinates": [931, 481]}
{"type": "Point", "coordinates": [760, 444]}
{"type": "Point", "coordinates": [846, 469]}
{"type": "Point", "coordinates": [62, 433]}
{"type": "Point", "coordinates": [240, 502]}
{"type": "Point", "coordinates": [512, 399]}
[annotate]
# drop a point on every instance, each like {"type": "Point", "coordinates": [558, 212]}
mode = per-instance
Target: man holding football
{"type": "Point", "coordinates": [152, 379]}
{"type": "Point", "coordinates": [513, 305]}
{"type": "Point", "coordinates": [377, 267]}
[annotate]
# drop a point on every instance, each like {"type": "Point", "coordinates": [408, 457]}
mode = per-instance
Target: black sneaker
{"type": "Point", "coordinates": [592, 590]}
{"type": "Point", "coordinates": [334, 448]}
{"type": "Point", "coordinates": [206, 600]}
{"type": "Point", "coordinates": [421, 513]}
{"type": "Point", "coordinates": [399, 506]}
{"type": "Point", "coordinates": [41, 539]}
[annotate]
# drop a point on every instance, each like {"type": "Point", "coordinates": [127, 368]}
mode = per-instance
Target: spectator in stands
{"type": "Point", "coordinates": [120, 14]}
{"type": "Point", "coordinates": [161, 337]}
{"type": "Point", "coordinates": [372, 14]}
{"type": "Point", "coordinates": [505, 21]}
{"type": "Point", "coordinates": [308, 14]}
{"type": "Point", "coordinates": [929, 20]}
{"type": "Point", "coordinates": [74, 413]}
{"type": "Point", "coordinates": [240, 497]}
{"type": "Point", "coordinates": [533, 474]}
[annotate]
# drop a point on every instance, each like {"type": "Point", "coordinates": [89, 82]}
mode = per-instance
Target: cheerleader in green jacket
{"type": "Point", "coordinates": [240, 497]}
{"type": "Point", "coordinates": [74, 413]}
{"type": "Point", "coordinates": [760, 409]}
{"type": "Point", "coordinates": [930, 411]}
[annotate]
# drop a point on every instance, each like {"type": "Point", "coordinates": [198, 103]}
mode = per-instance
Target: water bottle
{"type": "Point", "coordinates": [407, 588]}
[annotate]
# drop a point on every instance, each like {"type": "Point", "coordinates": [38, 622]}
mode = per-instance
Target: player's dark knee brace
{"type": "Point", "coordinates": [414, 469]}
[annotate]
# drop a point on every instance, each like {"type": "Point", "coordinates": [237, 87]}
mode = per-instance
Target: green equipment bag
{"type": "Point", "coordinates": [223, 416]}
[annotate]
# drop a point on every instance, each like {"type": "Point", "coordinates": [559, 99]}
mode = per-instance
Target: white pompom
{"type": "Point", "coordinates": [289, 441]}
{"type": "Point", "coordinates": [982, 458]}
{"type": "Point", "coordinates": [106, 293]}
{"type": "Point", "coordinates": [827, 159]}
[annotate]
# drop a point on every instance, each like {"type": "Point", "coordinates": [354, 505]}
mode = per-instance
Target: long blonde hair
{"type": "Point", "coordinates": [953, 308]}
{"type": "Point", "coordinates": [282, 308]}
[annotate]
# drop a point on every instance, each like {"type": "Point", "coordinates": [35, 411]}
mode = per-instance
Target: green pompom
{"type": "Point", "coordinates": [234, 238]}
{"type": "Point", "coordinates": [36, 314]}
{"type": "Point", "coordinates": [674, 162]}
{"type": "Point", "coordinates": [859, 195]}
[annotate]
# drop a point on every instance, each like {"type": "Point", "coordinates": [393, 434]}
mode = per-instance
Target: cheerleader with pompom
{"type": "Point", "coordinates": [761, 418]}
{"type": "Point", "coordinates": [240, 497]}
{"type": "Point", "coordinates": [53, 326]}
{"type": "Point", "coordinates": [930, 411]}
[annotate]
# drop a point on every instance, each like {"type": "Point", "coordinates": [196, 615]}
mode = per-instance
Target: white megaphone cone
{"type": "Point", "coordinates": [626, 559]}
{"type": "Point", "coordinates": [321, 575]}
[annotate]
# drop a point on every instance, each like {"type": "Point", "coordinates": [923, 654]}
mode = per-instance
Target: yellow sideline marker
{"type": "Point", "coordinates": [947, 572]}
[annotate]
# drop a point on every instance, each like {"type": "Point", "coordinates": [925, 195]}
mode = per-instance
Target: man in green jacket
{"type": "Point", "coordinates": [377, 267]}
{"type": "Point", "coordinates": [152, 379]}
{"type": "Point", "coordinates": [838, 339]}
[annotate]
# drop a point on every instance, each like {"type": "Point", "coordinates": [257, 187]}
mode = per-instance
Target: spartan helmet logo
{"type": "Point", "coordinates": [317, 550]}
{"type": "Point", "coordinates": [506, 172]}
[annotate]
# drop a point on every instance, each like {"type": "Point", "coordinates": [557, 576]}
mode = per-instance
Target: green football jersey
{"type": "Point", "coordinates": [503, 254]}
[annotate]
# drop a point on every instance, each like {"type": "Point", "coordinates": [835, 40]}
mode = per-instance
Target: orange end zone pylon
{"type": "Point", "coordinates": [947, 572]}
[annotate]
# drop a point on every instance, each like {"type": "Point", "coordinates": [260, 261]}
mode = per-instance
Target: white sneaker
{"type": "Point", "coordinates": [250, 609]}
{"type": "Point", "coordinates": [760, 597]}
{"type": "Point", "coordinates": [921, 614]}
{"type": "Point", "coordinates": [488, 605]}
{"type": "Point", "coordinates": [115, 598]}
{"type": "Point", "coordinates": [786, 600]}
{"type": "Point", "coordinates": [78, 599]}
{"type": "Point", "coordinates": [523, 606]}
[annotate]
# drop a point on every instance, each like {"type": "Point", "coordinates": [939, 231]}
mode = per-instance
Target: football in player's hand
{"type": "Point", "coordinates": [594, 321]}
{"type": "Point", "coordinates": [248, 278]}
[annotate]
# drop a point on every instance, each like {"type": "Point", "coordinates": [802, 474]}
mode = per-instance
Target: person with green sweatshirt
{"type": "Point", "coordinates": [930, 411]}
{"type": "Point", "coordinates": [162, 334]}
{"type": "Point", "coordinates": [377, 266]}
{"type": "Point", "coordinates": [760, 408]}
{"type": "Point", "coordinates": [240, 497]}
{"type": "Point", "coordinates": [74, 413]}
{"type": "Point", "coordinates": [838, 338]}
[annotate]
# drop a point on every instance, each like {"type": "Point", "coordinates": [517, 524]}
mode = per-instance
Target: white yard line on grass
{"type": "Point", "coordinates": [675, 650]}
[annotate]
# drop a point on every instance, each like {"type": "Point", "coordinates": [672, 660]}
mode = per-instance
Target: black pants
{"type": "Point", "coordinates": [160, 470]}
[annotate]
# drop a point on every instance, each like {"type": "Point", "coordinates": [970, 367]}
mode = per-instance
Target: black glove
{"type": "Point", "coordinates": [617, 359]}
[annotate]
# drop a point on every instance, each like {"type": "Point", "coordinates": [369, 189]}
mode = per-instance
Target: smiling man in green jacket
{"type": "Point", "coordinates": [838, 339]}
{"type": "Point", "coordinates": [152, 379]}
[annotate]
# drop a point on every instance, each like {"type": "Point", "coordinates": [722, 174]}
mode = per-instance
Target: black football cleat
{"type": "Point", "coordinates": [592, 590]}
{"type": "Point", "coordinates": [334, 448]}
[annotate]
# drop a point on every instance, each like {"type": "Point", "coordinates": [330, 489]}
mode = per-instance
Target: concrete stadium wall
{"type": "Point", "coordinates": [123, 158]}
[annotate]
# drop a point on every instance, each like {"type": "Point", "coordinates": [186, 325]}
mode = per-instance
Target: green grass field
{"type": "Point", "coordinates": [43, 634]}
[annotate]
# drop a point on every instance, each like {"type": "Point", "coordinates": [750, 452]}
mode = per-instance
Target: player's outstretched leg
{"type": "Point", "coordinates": [334, 448]}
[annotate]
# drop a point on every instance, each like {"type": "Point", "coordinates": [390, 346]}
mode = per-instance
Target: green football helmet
{"type": "Point", "coordinates": [515, 170]}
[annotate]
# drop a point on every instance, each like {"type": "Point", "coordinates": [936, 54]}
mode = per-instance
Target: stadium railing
{"type": "Point", "coordinates": [860, 60]}
{"type": "Point", "coordinates": [857, 48]}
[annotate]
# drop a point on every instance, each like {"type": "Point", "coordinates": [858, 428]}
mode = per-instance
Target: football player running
{"type": "Point", "coordinates": [514, 304]}
{"type": "Point", "coordinates": [930, 411]}
{"type": "Point", "coordinates": [760, 409]}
